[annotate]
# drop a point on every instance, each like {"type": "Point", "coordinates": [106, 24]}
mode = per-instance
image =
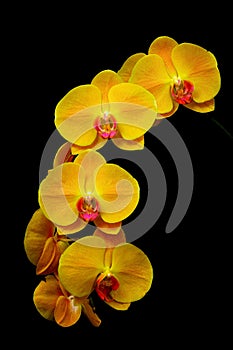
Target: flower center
{"type": "Point", "coordinates": [182, 91]}
{"type": "Point", "coordinates": [105, 284]}
{"type": "Point", "coordinates": [106, 125]}
{"type": "Point", "coordinates": [88, 208]}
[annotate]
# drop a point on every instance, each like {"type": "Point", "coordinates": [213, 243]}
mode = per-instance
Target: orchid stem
{"type": "Point", "coordinates": [222, 127]}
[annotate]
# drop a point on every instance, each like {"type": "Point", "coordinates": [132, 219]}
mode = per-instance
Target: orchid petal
{"type": "Point", "coordinates": [90, 161]}
{"type": "Point", "coordinates": [48, 262]}
{"type": "Point", "coordinates": [126, 69]}
{"type": "Point", "coordinates": [204, 107]}
{"type": "Point", "coordinates": [111, 239]}
{"type": "Point", "coordinates": [38, 230]}
{"type": "Point", "coordinates": [130, 93]}
{"type": "Point", "coordinates": [133, 270]}
{"type": "Point", "coordinates": [76, 226]}
{"type": "Point", "coordinates": [45, 296]}
{"type": "Point", "coordinates": [151, 73]}
{"type": "Point", "coordinates": [104, 81]}
{"type": "Point", "coordinates": [118, 306]}
{"type": "Point", "coordinates": [76, 112]}
{"type": "Point", "coordinates": [89, 136]}
{"type": "Point", "coordinates": [63, 154]}
{"type": "Point", "coordinates": [50, 256]}
{"type": "Point", "coordinates": [107, 227]}
{"type": "Point", "coordinates": [163, 47]}
{"type": "Point", "coordinates": [98, 143]}
{"type": "Point", "coordinates": [118, 192]}
{"type": "Point", "coordinates": [199, 66]}
{"type": "Point", "coordinates": [60, 191]}
{"type": "Point", "coordinates": [134, 108]}
{"type": "Point", "coordinates": [89, 312]}
{"type": "Point", "coordinates": [66, 313]}
{"type": "Point", "coordinates": [80, 264]}
{"type": "Point", "coordinates": [129, 145]}
{"type": "Point", "coordinates": [171, 112]}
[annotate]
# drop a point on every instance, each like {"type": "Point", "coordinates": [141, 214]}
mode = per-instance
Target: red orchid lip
{"type": "Point", "coordinates": [88, 208]}
{"type": "Point", "coordinates": [105, 284]}
{"type": "Point", "coordinates": [106, 126]}
{"type": "Point", "coordinates": [182, 91]}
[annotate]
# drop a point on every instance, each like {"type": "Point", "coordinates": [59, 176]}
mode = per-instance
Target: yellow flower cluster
{"type": "Point", "coordinates": [83, 188]}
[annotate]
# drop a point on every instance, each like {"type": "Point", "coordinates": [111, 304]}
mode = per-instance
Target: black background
{"type": "Point", "coordinates": [50, 51]}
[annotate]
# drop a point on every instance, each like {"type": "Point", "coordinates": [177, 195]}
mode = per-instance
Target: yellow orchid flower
{"type": "Point", "coordinates": [176, 74]}
{"type": "Point", "coordinates": [54, 303]}
{"type": "Point", "coordinates": [88, 190]}
{"type": "Point", "coordinates": [119, 275]}
{"type": "Point", "coordinates": [43, 243]}
{"type": "Point", "coordinates": [108, 108]}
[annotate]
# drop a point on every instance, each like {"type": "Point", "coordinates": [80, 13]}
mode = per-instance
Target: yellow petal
{"type": "Point", "coordinates": [89, 312]}
{"type": "Point", "coordinates": [163, 47]}
{"type": "Point", "coordinates": [38, 230]}
{"type": "Point", "coordinates": [111, 239]}
{"type": "Point", "coordinates": [130, 132]}
{"type": "Point", "coordinates": [151, 73]}
{"type": "Point", "coordinates": [131, 93]}
{"type": "Point", "coordinates": [48, 263]}
{"type": "Point", "coordinates": [88, 137]}
{"type": "Point", "coordinates": [134, 108]}
{"type": "Point", "coordinates": [45, 296]}
{"type": "Point", "coordinates": [59, 193]}
{"type": "Point", "coordinates": [76, 226]}
{"type": "Point", "coordinates": [106, 227]}
{"type": "Point", "coordinates": [63, 154]}
{"type": "Point", "coordinates": [75, 100]}
{"type": "Point", "coordinates": [204, 107]}
{"type": "Point", "coordinates": [170, 113]}
{"type": "Point", "coordinates": [118, 306]}
{"type": "Point", "coordinates": [80, 264]}
{"type": "Point", "coordinates": [126, 68]}
{"type": "Point", "coordinates": [104, 81]}
{"type": "Point", "coordinates": [76, 112]}
{"type": "Point", "coordinates": [199, 66]}
{"type": "Point", "coordinates": [133, 270]}
{"type": "Point", "coordinates": [129, 145]}
{"type": "Point", "coordinates": [98, 143]}
{"type": "Point", "coordinates": [90, 161]}
{"type": "Point", "coordinates": [66, 313]}
{"type": "Point", "coordinates": [118, 193]}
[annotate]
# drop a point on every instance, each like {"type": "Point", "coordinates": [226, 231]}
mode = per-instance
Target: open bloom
{"type": "Point", "coordinates": [43, 244]}
{"type": "Point", "coordinates": [119, 275]}
{"type": "Point", "coordinates": [88, 190]}
{"type": "Point", "coordinates": [108, 108]}
{"type": "Point", "coordinates": [176, 74]}
{"type": "Point", "coordinates": [54, 303]}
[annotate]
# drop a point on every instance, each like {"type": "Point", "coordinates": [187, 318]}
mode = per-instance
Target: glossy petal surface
{"type": "Point", "coordinates": [66, 313]}
{"type": "Point", "coordinates": [199, 66]}
{"type": "Point", "coordinates": [80, 264]}
{"type": "Point", "coordinates": [163, 47]}
{"type": "Point", "coordinates": [59, 193]}
{"type": "Point", "coordinates": [151, 73]}
{"type": "Point", "coordinates": [127, 67]}
{"type": "Point", "coordinates": [134, 272]}
{"type": "Point", "coordinates": [104, 81]}
{"type": "Point", "coordinates": [119, 192]}
{"type": "Point", "coordinates": [38, 230]}
{"type": "Point", "coordinates": [45, 296]}
{"type": "Point", "coordinates": [136, 111]}
{"type": "Point", "coordinates": [75, 113]}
